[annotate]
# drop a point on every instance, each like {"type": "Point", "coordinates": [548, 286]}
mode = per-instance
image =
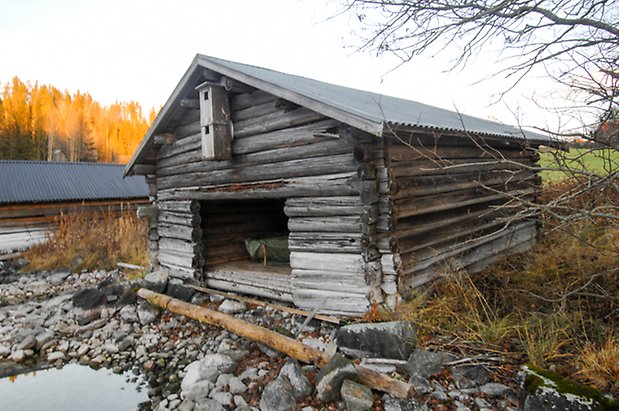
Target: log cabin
{"type": "Point", "coordinates": [33, 194]}
{"type": "Point", "coordinates": [373, 195]}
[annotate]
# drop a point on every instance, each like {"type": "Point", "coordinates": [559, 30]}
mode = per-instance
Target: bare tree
{"type": "Point", "coordinates": [574, 41]}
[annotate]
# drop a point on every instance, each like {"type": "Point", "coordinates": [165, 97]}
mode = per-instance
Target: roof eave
{"type": "Point", "coordinates": [346, 117]}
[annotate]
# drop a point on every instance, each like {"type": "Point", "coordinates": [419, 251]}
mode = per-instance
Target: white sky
{"type": "Point", "coordinates": [120, 50]}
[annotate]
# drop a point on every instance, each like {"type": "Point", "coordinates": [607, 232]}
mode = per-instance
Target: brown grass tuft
{"type": "Point", "coordinates": [91, 241]}
{"type": "Point", "coordinates": [542, 306]}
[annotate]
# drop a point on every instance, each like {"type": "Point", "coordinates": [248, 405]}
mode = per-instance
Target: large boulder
{"type": "Point", "coordinates": [394, 340]}
{"type": "Point", "coordinates": [299, 382]}
{"type": "Point", "coordinates": [208, 368]}
{"type": "Point", "coordinates": [88, 298]}
{"type": "Point", "coordinates": [177, 289]}
{"type": "Point", "coordinates": [329, 380]}
{"type": "Point", "coordinates": [278, 395]}
{"type": "Point", "coordinates": [424, 363]}
{"type": "Point", "coordinates": [156, 281]}
{"type": "Point", "coordinates": [545, 390]}
{"type": "Point", "coordinates": [357, 397]}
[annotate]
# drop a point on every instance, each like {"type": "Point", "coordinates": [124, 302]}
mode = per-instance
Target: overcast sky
{"type": "Point", "coordinates": [119, 50]}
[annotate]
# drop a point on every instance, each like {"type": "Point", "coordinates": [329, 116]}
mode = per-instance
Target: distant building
{"type": "Point", "coordinates": [34, 193]}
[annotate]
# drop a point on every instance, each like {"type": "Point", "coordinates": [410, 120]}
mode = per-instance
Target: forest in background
{"type": "Point", "coordinates": [41, 122]}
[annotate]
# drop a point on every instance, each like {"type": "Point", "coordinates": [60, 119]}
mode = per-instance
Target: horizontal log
{"type": "Point", "coordinates": [412, 227]}
{"type": "Point", "coordinates": [325, 210]}
{"type": "Point", "coordinates": [258, 110]}
{"type": "Point", "coordinates": [189, 144]}
{"type": "Point", "coordinates": [275, 121]}
{"type": "Point", "coordinates": [405, 153]}
{"type": "Point", "coordinates": [165, 138]}
{"type": "Point", "coordinates": [147, 211]}
{"type": "Point", "coordinates": [340, 224]}
{"type": "Point", "coordinates": [189, 220]}
{"type": "Point", "coordinates": [461, 232]}
{"type": "Point", "coordinates": [242, 101]}
{"type": "Point", "coordinates": [179, 259]}
{"type": "Point", "coordinates": [186, 206]}
{"type": "Point", "coordinates": [180, 272]}
{"type": "Point", "coordinates": [179, 231]}
{"type": "Point", "coordinates": [328, 262]}
{"type": "Point", "coordinates": [278, 155]}
{"type": "Point", "coordinates": [186, 130]}
{"type": "Point", "coordinates": [337, 201]}
{"type": "Point", "coordinates": [324, 246]}
{"type": "Point", "coordinates": [324, 185]}
{"type": "Point", "coordinates": [285, 169]}
{"type": "Point", "coordinates": [143, 169]}
{"type": "Point", "coordinates": [456, 166]}
{"type": "Point", "coordinates": [290, 137]}
{"type": "Point", "coordinates": [433, 204]}
{"type": "Point", "coordinates": [453, 250]}
{"type": "Point", "coordinates": [180, 246]}
{"type": "Point", "coordinates": [479, 258]}
{"type": "Point", "coordinates": [431, 140]}
{"type": "Point", "coordinates": [446, 187]}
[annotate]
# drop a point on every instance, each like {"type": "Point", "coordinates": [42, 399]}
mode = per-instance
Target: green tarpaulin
{"type": "Point", "coordinates": [276, 248]}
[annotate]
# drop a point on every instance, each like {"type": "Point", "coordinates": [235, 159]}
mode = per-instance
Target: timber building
{"type": "Point", "coordinates": [373, 195]}
{"type": "Point", "coordinates": [33, 194]}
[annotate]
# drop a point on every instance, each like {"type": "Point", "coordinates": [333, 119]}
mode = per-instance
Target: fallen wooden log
{"type": "Point", "coordinates": [279, 342]}
{"type": "Point", "coordinates": [321, 317]}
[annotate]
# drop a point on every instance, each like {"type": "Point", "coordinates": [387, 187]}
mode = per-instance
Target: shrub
{"type": "Point", "coordinates": [91, 240]}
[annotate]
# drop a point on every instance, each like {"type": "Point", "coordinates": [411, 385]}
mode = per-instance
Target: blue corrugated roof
{"type": "Point", "coordinates": [41, 181]}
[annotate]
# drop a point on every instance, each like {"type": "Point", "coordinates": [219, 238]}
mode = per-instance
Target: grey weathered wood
{"type": "Point", "coordinates": [264, 157]}
{"type": "Point", "coordinates": [262, 172]}
{"type": "Point", "coordinates": [179, 231]}
{"type": "Point", "coordinates": [275, 121]}
{"type": "Point", "coordinates": [180, 206]}
{"type": "Point", "coordinates": [245, 100]}
{"type": "Point", "coordinates": [215, 123]}
{"type": "Point", "coordinates": [340, 224]}
{"type": "Point", "coordinates": [147, 211]}
{"type": "Point", "coordinates": [334, 184]}
{"type": "Point", "coordinates": [164, 138]}
{"type": "Point", "coordinates": [189, 220]}
{"type": "Point", "coordinates": [143, 169]}
{"type": "Point", "coordinates": [328, 261]}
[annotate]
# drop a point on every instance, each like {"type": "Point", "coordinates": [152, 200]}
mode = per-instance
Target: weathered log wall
{"type": "Point", "coordinates": [450, 203]}
{"type": "Point", "coordinates": [281, 152]}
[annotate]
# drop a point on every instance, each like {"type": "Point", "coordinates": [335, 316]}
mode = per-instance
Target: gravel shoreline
{"type": "Point", "coordinates": [94, 319]}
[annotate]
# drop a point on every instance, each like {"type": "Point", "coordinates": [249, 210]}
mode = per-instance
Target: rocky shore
{"type": "Point", "coordinates": [95, 319]}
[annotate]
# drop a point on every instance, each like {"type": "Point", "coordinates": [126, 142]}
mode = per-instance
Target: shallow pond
{"type": "Point", "coordinates": [73, 387]}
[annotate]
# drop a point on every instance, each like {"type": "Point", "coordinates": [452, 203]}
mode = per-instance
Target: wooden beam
{"type": "Point", "coordinates": [165, 138]}
{"type": "Point", "coordinates": [143, 169]}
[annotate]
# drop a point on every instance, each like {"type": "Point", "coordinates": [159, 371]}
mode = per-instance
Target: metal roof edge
{"type": "Point", "coordinates": [297, 98]}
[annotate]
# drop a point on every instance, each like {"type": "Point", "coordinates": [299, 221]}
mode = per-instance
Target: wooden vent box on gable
{"type": "Point", "coordinates": [215, 123]}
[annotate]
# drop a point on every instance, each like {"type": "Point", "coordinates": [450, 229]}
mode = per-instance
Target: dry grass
{"type": "Point", "coordinates": [92, 241]}
{"type": "Point", "coordinates": [555, 306]}
{"type": "Point", "coordinates": [599, 365]}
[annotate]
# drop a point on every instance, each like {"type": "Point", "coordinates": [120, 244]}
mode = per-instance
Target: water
{"type": "Point", "coordinates": [72, 388]}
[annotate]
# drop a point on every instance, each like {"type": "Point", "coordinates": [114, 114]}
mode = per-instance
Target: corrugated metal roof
{"type": "Point", "coordinates": [368, 111]}
{"type": "Point", "coordinates": [40, 181]}
{"type": "Point", "coordinates": [372, 107]}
